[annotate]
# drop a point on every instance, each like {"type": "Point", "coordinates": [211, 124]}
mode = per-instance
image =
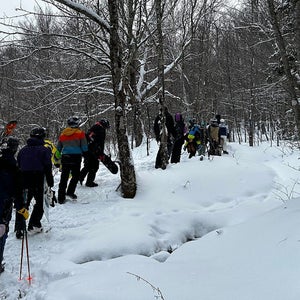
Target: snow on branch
{"type": "Point", "coordinates": [86, 11]}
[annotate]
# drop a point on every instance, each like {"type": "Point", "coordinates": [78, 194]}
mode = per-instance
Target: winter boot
{"type": "Point", "coordinates": [19, 234]}
{"type": "Point", "coordinates": [2, 268]}
{"type": "Point", "coordinates": [72, 196]}
{"type": "Point", "coordinates": [34, 229]}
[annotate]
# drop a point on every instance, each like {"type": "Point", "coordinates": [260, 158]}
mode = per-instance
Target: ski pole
{"type": "Point", "coordinates": [27, 252]}
{"type": "Point", "coordinates": [22, 252]}
{"type": "Point", "coordinates": [25, 238]}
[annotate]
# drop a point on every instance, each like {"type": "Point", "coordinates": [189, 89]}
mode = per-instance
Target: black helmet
{"type": "Point", "coordinates": [12, 144]}
{"type": "Point", "coordinates": [105, 123]}
{"type": "Point", "coordinates": [74, 122]}
{"type": "Point", "coordinates": [38, 132]}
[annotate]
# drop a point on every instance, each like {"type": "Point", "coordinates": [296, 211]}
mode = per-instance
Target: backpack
{"type": "Point", "coordinates": [214, 133]}
{"type": "Point", "coordinates": [56, 156]}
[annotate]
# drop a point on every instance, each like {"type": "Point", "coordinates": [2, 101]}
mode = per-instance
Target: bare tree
{"type": "Point", "coordinates": [291, 81]}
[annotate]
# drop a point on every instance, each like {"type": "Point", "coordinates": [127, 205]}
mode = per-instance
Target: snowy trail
{"type": "Point", "coordinates": [174, 206]}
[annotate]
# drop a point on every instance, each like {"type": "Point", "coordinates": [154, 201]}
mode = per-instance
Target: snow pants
{"type": "Point", "coordinates": [91, 166]}
{"type": "Point", "coordinates": [70, 167]}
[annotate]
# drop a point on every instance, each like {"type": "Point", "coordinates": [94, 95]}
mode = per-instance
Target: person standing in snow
{"type": "Point", "coordinates": [213, 134]}
{"type": "Point", "coordinates": [72, 145]}
{"type": "Point", "coordinates": [95, 138]}
{"type": "Point", "coordinates": [179, 138]}
{"type": "Point", "coordinates": [223, 130]}
{"type": "Point", "coordinates": [192, 139]}
{"type": "Point", "coordinates": [34, 161]}
{"type": "Point", "coordinates": [10, 191]}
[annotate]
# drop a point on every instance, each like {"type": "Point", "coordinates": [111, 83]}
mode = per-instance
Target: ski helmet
{"type": "Point", "coordinates": [74, 122]}
{"type": "Point", "coordinates": [105, 123]}
{"type": "Point", "coordinates": [38, 132]}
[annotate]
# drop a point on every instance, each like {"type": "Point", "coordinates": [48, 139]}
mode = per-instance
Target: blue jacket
{"type": "Point", "coordinates": [35, 158]}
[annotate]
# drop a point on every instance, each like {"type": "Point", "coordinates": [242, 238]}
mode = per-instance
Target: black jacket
{"type": "Point", "coordinates": [96, 138]}
{"type": "Point", "coordinates": [10, 185]}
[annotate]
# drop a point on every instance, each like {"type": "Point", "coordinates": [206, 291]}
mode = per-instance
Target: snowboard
{"type": "Point", "coordinates": [109, 164]}
{"type": "Point", "coordinates": [48, 195]}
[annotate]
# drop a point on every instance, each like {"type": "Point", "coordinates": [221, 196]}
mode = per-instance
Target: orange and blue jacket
{"type": "Point", "coordinates": [72, 141]}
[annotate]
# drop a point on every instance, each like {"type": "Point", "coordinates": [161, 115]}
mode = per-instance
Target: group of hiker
{"type": "Point", "coordinates": [195, 137]}
{"type": "Point", "coordinates": [26, 176]}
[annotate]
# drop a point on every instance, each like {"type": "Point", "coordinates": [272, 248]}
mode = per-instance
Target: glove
{"type": "Point", "coordinates": [24, 212]}
{"type": "Point", "coordinates": [101, 157]}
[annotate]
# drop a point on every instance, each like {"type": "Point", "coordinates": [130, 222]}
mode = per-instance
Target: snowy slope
{"type": "Point", "coordinates": [221, 229]}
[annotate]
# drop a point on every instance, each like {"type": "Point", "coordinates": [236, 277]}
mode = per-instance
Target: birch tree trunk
{"type": "Point", "coordinates": [128, 178]}
{"type": "Point", "coordinates": [163, 147]}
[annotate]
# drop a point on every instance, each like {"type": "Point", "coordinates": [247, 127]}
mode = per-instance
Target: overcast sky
{"type": "Point", "coordinates": [8, 7]}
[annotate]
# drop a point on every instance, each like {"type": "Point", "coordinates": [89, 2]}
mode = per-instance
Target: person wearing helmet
{"type": "Point", "coordinates": [74, 122]}
{"type": "Point", "coordinates": [72, 145]}
{"type": "Point", "coordinates": [38, 132]}
{"type": "Point", "coordinates": [223, 128]}
{"type": "Point", "coordinates": [96, 138]}
{"type": "Point", "coordinates": [34, 160]}
{"type": "Point", "coordinates": [10, 190]}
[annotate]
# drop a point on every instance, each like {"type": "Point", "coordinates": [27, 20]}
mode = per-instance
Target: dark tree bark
{"type": "Point", "coordinates": [291, 81]}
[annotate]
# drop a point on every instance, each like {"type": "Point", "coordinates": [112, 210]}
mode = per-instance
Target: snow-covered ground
{"type": "Point", "coordinates": [221, 229]}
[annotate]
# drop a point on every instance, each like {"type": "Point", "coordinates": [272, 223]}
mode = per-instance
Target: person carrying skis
{"type": "Point", "coordinates": [179, 138]}
{"type": "Point", "coordinates": [72, 145]}
{"type": "Point", "coordinates": [34, 160]}
{"type": "Point", "coordinates": [95, 138]}
{"type": "Point", "coordinates": [10, 191]}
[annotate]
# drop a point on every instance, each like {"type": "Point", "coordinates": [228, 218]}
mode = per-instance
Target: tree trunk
{"type": "Point", "coordinates": [163, 149]}
{"type": "Point", "coordinates": [128, 178]}
{"type": "Point", "coordinates": [291, 81]}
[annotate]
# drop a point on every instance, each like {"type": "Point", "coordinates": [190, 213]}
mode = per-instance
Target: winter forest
{"type": "Point", "coordinates": [123, 60]}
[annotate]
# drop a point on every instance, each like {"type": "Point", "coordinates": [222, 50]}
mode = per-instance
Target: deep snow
{"type": "Point", "coordinates": [220, 229]}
